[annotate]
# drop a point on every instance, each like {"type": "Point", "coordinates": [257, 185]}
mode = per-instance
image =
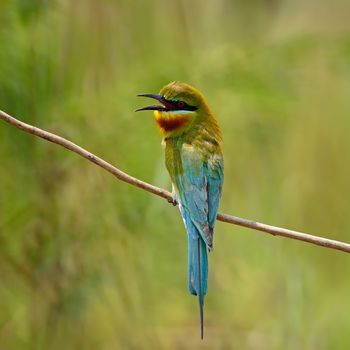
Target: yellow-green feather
{"type": "Point", "coordinates": [194, 161]}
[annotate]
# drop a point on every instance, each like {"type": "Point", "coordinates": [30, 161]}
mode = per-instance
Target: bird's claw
{"type": "Point", "coordinates": [173, 201]}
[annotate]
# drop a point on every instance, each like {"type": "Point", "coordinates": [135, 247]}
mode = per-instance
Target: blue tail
{"type": "Point", "coordinates": [197, 265]}
{"type": "Point", "coordinates": [198, 271]}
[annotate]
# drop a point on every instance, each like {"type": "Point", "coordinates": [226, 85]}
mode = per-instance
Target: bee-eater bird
{"type": "Point", "coordinates": [194, 160]}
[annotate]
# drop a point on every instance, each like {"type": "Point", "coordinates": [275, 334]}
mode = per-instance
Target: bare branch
{"type": "Point", "coordinates": [276, 231]}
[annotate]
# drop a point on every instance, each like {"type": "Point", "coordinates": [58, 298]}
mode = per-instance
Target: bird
{"type": "Point", "coordinates": [194, 160]}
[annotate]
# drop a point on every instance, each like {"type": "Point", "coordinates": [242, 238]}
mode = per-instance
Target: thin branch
{"type": "Point", "coordinates": [276, 231]}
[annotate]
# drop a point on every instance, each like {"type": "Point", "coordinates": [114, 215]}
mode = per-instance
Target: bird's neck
{"type": "Point", "coordinates": [203, 136]}
{"type": "Point", "coordinates": [188, 126]}
{"type": "Point", "coordinates": [173, 124]}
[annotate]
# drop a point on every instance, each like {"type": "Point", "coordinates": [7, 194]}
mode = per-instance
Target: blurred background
{"type": "Point", "coordinates": [89, 262]}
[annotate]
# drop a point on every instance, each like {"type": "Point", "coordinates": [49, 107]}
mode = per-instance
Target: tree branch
{"type": "Point", "coordinates": [276, 231]}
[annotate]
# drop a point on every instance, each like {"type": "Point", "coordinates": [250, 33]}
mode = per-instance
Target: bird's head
{"type": "Point", "coordinates": [180, 106]}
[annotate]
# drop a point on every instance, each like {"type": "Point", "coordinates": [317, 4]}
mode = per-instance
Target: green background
{"type": "Point", "coordinates": [88, 262]}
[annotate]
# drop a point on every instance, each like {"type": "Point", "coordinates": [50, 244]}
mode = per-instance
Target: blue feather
{"type": "Point", "coordinates": [196, 256]}
{"type": "Point", "coordinates": [198, 189]}
{"type": "Point", "coordinates": [197, 263]}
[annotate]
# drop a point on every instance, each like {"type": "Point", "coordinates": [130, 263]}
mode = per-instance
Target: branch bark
{"type": "Point", "coordinates": [273, 230]}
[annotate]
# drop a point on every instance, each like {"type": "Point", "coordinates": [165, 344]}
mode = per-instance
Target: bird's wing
{"type": "Point", "coordinates": [215, 178]}
{"type": "Point", "coordinates": [198, 186]}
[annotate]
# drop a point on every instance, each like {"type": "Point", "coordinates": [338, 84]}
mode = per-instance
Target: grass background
{"type": "Point", "coordinates": [89, 262]}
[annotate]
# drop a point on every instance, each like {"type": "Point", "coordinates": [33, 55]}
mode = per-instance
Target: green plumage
{"type": "Point", "coordinates": [194, 161]}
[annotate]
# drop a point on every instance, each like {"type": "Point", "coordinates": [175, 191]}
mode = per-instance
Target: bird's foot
{"type": "Point", "coordinates": [173, 201]}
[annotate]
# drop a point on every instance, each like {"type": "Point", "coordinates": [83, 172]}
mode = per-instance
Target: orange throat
{"type": "Point", "coordinates": [171, 122]}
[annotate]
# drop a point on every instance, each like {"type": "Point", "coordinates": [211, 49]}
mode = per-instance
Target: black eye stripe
{"type": "Point", "coordinates": [181, 105]}
{"type": "Point", "coordinates": [188, 107]}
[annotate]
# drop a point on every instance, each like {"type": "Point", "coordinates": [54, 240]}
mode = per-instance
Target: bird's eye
{"type": "Point", "coordinates": [181, 104]}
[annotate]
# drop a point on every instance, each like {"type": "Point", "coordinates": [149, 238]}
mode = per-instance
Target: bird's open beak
{"type": "Point", "coordinates": [165, 104]}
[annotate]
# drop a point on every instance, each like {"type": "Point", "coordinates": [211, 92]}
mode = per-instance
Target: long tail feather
{"type": "Point", "coordinates": [200, 294]}
{"type": "Point", "coordinates": [198, 270]}
{"type": "Point", "coordinates": [197, 265]}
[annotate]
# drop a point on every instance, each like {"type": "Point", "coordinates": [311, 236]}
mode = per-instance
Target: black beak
{"type": "Point", "coordinates": [165, 105]}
